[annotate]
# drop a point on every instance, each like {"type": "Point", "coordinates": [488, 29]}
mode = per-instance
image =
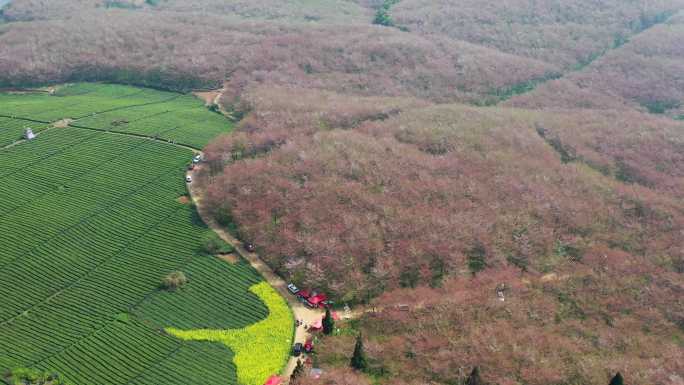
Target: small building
{"type": "Point", "coordinates": [29, 135]}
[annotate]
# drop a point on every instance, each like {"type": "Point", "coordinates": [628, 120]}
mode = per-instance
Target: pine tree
{"type": "Point", "coordinates": [358, 360]}
{"type": "Point", "coordinates": [474, 377]}
{"type": "Point", "coordinates": [617, 379]}
{"type": "Point", "coordinates": [328, 323]}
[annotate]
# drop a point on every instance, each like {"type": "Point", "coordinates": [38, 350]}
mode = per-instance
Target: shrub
{"type": "Point", "coordinates": [660, 106]}
{"type": "Point", "coordinates": [26, 376]}
{"type": "Point", "coordinates": [474, 377]}
{"type": "Point", "coordinates": [174, 280]}
{"type": "Point", "coordinates": [382, 16]}
{"type": "Point", "coordinates": [476, 258]}
{"type": "Point", "coordinates": [571, 252]}
{"type": "Point", "coordinates": [409, 277]}
{"type": "Point", "coordinates": [212, 244]}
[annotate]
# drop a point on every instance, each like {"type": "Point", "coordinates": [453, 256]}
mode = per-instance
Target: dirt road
{"type": "Point", "coordinates": [301, 312]}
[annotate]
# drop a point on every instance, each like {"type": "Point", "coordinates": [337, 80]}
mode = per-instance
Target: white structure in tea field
{"type": "Point", "coordinates": [28, 134]}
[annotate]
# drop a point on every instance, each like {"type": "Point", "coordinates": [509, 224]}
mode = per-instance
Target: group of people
{"type": "Point", "coordinates": [299, 323]}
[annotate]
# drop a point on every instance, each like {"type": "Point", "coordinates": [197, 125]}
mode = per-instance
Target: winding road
{"type": "Point", "coordinates": [300, 312]}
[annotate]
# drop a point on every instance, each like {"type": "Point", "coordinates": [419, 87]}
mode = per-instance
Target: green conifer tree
{"type": "Point", "coordinates": [358, 360]}
{"type": "Point", "coordinates": [474, 377]}
{"type": "Point", "coordinates": [328, 323]}
{"type": "Point", "coordinates": [617, 379]}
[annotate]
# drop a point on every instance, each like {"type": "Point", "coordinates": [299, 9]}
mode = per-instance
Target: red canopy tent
{"type": "Point", "coordinates": [316, 326]}
{"type": "Point", "coordinates": [317, 300]}
{"type": "Point", "coordinates": [274, 380]}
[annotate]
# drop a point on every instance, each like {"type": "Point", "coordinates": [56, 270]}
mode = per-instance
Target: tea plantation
{"type": "Point", "coordinates": [90, 224]}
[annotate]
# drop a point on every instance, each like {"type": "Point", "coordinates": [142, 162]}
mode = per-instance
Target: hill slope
{"type": "Point", "coordinates": [362, 166]}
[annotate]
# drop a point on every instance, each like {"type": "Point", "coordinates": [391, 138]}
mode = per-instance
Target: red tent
{"type": "Point", "coordinates": [316, 326]}
{"type": "Point", "coordinates": [304, 294]}
{"type": "Point", "coordinates": [273, 380]}
{"type": "Point", "coordinates": [317, 300]}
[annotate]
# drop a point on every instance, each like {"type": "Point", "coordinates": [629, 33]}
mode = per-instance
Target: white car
{"type": "Point", "coordinates": [292, 288]}
{"type": "Point", "coordinates": [197, 159]}
{"type": "Point", "coordinates": [188, 179]}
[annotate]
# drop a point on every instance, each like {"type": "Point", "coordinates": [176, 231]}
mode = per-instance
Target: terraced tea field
{"type": "Point", "coordinates": [90, 224]}
{"type": "Point", "coordinates": [179, 118]}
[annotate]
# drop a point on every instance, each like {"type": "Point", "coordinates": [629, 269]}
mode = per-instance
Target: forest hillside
{"type": "Point", "coordinates": [413, 156]}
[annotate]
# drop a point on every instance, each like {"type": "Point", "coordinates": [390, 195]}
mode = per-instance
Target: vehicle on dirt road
{"type": "Point", "coordinates": [297, 349]}
{"type": "Point", "coordinates": [292, 289]}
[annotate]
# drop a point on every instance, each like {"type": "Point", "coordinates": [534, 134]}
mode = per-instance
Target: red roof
{"type": "Point", "coordinates": [304, 293]}
{"type": "Point", "coordinates": [273, 380]}
{"type": "Point", "coordinates": [315, 300]}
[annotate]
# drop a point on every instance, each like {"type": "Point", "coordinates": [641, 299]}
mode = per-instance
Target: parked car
{"type": "Point", "coordinates": [250, 247]}
{"type": "Point", "coordinates": [293, 289]}
{"type": "Point", "coordinates": [188, 178]}
{"type": "Point", "coordinates": [297, 349]}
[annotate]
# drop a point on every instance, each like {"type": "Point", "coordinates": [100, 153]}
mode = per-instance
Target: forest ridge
{"type": "Point", "coordinates": [414, 155]}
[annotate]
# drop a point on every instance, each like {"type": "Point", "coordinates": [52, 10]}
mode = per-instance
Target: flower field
{"type": "Point", "coordinates": [90, 224]}
{"type": "Point", "coordinates": [260, 349]}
